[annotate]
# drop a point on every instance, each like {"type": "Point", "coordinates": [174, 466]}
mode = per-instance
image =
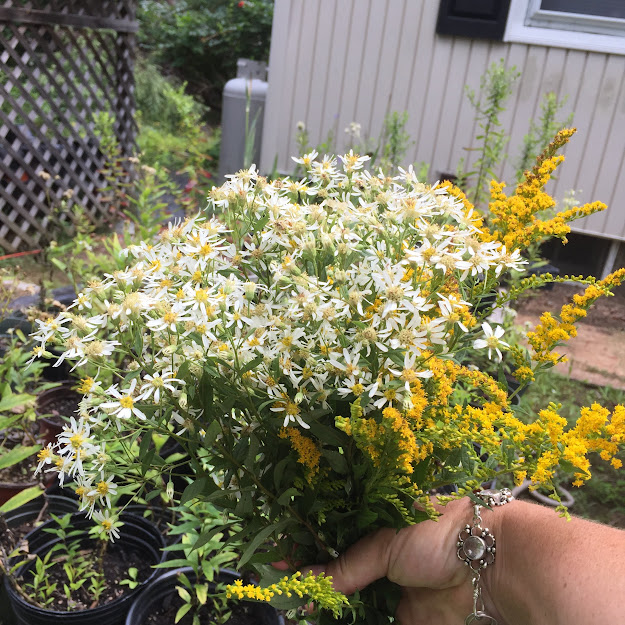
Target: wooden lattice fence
{"type": "Point", "coordinates": [61, 63]}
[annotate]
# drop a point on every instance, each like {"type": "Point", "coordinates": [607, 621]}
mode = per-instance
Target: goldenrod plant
{"type": "Point", "coordinates": [304, 346]}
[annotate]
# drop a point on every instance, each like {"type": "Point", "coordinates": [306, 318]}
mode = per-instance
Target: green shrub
{"type": "Point", "coordinates": [171, 129]}
{"type": "Point", "coordinates": [164, 104]}
{"type": "Point", "coordinates": [202, 39]}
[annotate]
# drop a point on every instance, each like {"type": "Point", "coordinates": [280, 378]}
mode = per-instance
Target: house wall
{"type": "Point", "coordinates": [337, 61]}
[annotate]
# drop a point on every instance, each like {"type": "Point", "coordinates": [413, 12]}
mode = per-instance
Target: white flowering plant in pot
{"type": "Point", "coordinates": [308, 345]}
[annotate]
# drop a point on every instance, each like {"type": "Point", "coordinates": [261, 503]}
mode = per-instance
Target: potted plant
{"type": "Point", "coordinates": [74, 575]}
{"type": "Point", "coordinates": [194, 591]}
{"type": "Point", "coordinates": [20, 438]}
{"type": "Point", "coordinates": [303, 347]}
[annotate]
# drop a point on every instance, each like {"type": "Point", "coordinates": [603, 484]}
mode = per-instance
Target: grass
{"type": "Point", "coordinates": [602, 498]}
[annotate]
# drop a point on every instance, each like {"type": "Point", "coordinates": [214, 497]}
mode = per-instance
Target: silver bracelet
{"type": "Point", "coordinates": [476, 548]}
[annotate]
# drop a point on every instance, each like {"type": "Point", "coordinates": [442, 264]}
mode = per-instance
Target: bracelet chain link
{"type": "Point", "coordinates": [476, 548]}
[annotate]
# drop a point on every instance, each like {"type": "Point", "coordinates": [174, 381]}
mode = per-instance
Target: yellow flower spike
{"type": "Point", "coordinates": [316, 588]}
{"type": "Point", "coordinates": [549, 332]}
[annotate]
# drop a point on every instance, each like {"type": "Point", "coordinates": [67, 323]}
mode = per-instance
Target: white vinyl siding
{"type": "Point", "coordinates": [337, 61]}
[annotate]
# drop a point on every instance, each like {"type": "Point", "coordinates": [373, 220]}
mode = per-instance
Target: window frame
{"type": "Point", "coordinates": [527, 23]}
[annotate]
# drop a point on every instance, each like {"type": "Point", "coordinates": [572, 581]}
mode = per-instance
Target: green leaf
{"type": "Point", "coordinates": [16, 455]}
{"type": "Point", "coordinates": [182, 611]}
{"type": "Point", "coordinates": [6, 422]}
{"type": "Point", "coordinates": [421, 471]}
{"type": "Point", "coordinates": [146, 440]}
{"type": "Point", "coordinates": [251, 365]}
{"type": "Point", "coordinates": [285, 497]}
{"type": "Point", "coordinates": [172, 564]}
{"type": "Point", "coordinates": [245, 505]}
{"type": "Point", "coordinates": [24, 496]}
{"type": "Point", "coordinates": [259, 539]}
{"type": "Point", "coordinates": [467, 462]}
{"type": "Point", "coordinates": [193, 490]}
{"type": "Point", "coordinates": [213, 430]}
{"type": "Point", "coordinates": [252, 452]}
{"type": "Point", "coordinates": [454, 458]}
{"type": "Point", "coordinates": [13, 401]}
{"type": "Point", "coordinates": [480, 502]}
{"type": "Point", "coordinates": [201, 590]}
{"type": "Point", "coordinates": [365, 517]}
{"type": "Point", "coordinates": [328, 435]}
{"type": "Point", "coordinates": [336, 460]}
{"type": "Point", "coordinates": [279, 472]}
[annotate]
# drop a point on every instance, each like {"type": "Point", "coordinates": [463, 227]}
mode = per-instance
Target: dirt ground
{"type": "Point", "coordinates": [597, 354]}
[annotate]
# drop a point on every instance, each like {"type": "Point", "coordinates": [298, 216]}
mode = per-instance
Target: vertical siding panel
{"type": "Point", "coordinates": [572, 88]}
{"type": "Point", "coordinates": [319, 78]}
{"type": "Point", "coordinates": [433, 90]}
{"type": "Point", "coordinates": [279, 67]}
{"type": "Point", "coordinates": [552, 82]}
{"type": "Point", "coordinates": [367, 88]}
{"type": "Point", "coordinates": [512, 119]}
{"type": "Point", "coordinates": [425, 69]}
{"type": "Point", "coordinates": [465, 127]}
{"type": "Point", "coordinates": [285, 93]}
{"type": "Point", "coordinates": [599, 134]}
{"type": "Point", "coordinates": [610, 185]}
{"type": "Point", "coordinates": [389, 57]}
{"type": "Point", "coordinates": [303, 92]}
{"type": "Point", "coordinates": [615, 223]}
{"type": "Point", "coordinates": [452, 97]}
{"type": "Point", "coordinates": [337, 61]}
{"type": "Point", "coordinates": [340, 51]}
{"type": "Point", "coordinates": [406, 56]}
{"type": "Point", "coordinates": [354, 65]}
{"type": "Point", "coordinates": [492, 55]}
{"type": "Point", "coordinates": [522, 105]}
{"type": "Point", "coordinates": [570, 174]}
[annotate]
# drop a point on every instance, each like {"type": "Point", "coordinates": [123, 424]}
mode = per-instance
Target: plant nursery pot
{"type": "Point", "coordinates": [137, 534]}
{"type": "Point", "coordinates": [52, 405]}
{"type": "Point", "coordinates": [60, 373]}
{"type": "Point", "coordinates": [17, 520]}
{"type": "Point", "coordinates": [9, 489]}
{"type": "Point", "coordinates": [156, 601]}
{"type": "Point", "coordinates": [57, 504]}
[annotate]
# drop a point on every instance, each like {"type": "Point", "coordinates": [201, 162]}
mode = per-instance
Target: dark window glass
{"type": "Point", "coordinates": [601, 8]}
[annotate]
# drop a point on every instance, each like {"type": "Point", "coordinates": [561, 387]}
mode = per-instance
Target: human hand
{"type": "Point", "coordinates": [436, 586]}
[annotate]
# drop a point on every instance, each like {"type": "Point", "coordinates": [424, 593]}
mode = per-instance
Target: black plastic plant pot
{"type": "Point", "coordinates": [52, 405]}
{"type": "Point", "coordinates": [162, 590]}
{"type": "Point", "coordinates": [137, 534]}
{"type": "Point", "coordinates": [56, 504]}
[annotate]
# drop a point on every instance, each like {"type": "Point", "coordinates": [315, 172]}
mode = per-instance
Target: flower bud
{"type": "Point", "coordinates": [183, 401]}
{"type": "Point", "coordinates": [249, 289]}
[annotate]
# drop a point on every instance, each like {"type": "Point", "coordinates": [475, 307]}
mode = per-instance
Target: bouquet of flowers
{"type": "Point", "coordinates": [308, 345]}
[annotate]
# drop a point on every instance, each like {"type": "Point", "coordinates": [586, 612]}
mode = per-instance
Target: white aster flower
{"type": "Point", "coordinates": [103, 491]}
{"type": "Point", "coordinates": [492, 340]}
{"type": "Point", "coordinates": [124, 405]}
{"type": "Point", "coordinates": [153, 385]}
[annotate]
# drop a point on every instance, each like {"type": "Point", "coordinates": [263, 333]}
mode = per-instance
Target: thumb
{"type": "Point", "coordinates": [361, 564]}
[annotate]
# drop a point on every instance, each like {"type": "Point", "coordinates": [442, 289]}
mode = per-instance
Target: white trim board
{"type": "Point", "coordinates": [518, 30]}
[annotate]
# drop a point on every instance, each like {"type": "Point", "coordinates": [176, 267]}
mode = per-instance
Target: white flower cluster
{"type": "Point", "coordinates": [339, 286]}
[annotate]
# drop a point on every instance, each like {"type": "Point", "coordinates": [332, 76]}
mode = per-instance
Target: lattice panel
{"type": "Point", "coordinates": [116, 9]}
{"type": "Point", "coordinates": [54, 79]}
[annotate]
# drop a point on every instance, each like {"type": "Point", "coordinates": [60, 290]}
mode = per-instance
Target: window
{"type": "Point", "coordinates": [597, 25]}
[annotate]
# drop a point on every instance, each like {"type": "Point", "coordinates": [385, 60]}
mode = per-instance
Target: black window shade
{"type": "Point", "coordinates": [485, 19]}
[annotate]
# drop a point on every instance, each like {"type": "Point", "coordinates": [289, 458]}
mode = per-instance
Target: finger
{"type": "Point", "coordinates": [362, 563]}
{"type": "Point", "coordinates": [281, 565]}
